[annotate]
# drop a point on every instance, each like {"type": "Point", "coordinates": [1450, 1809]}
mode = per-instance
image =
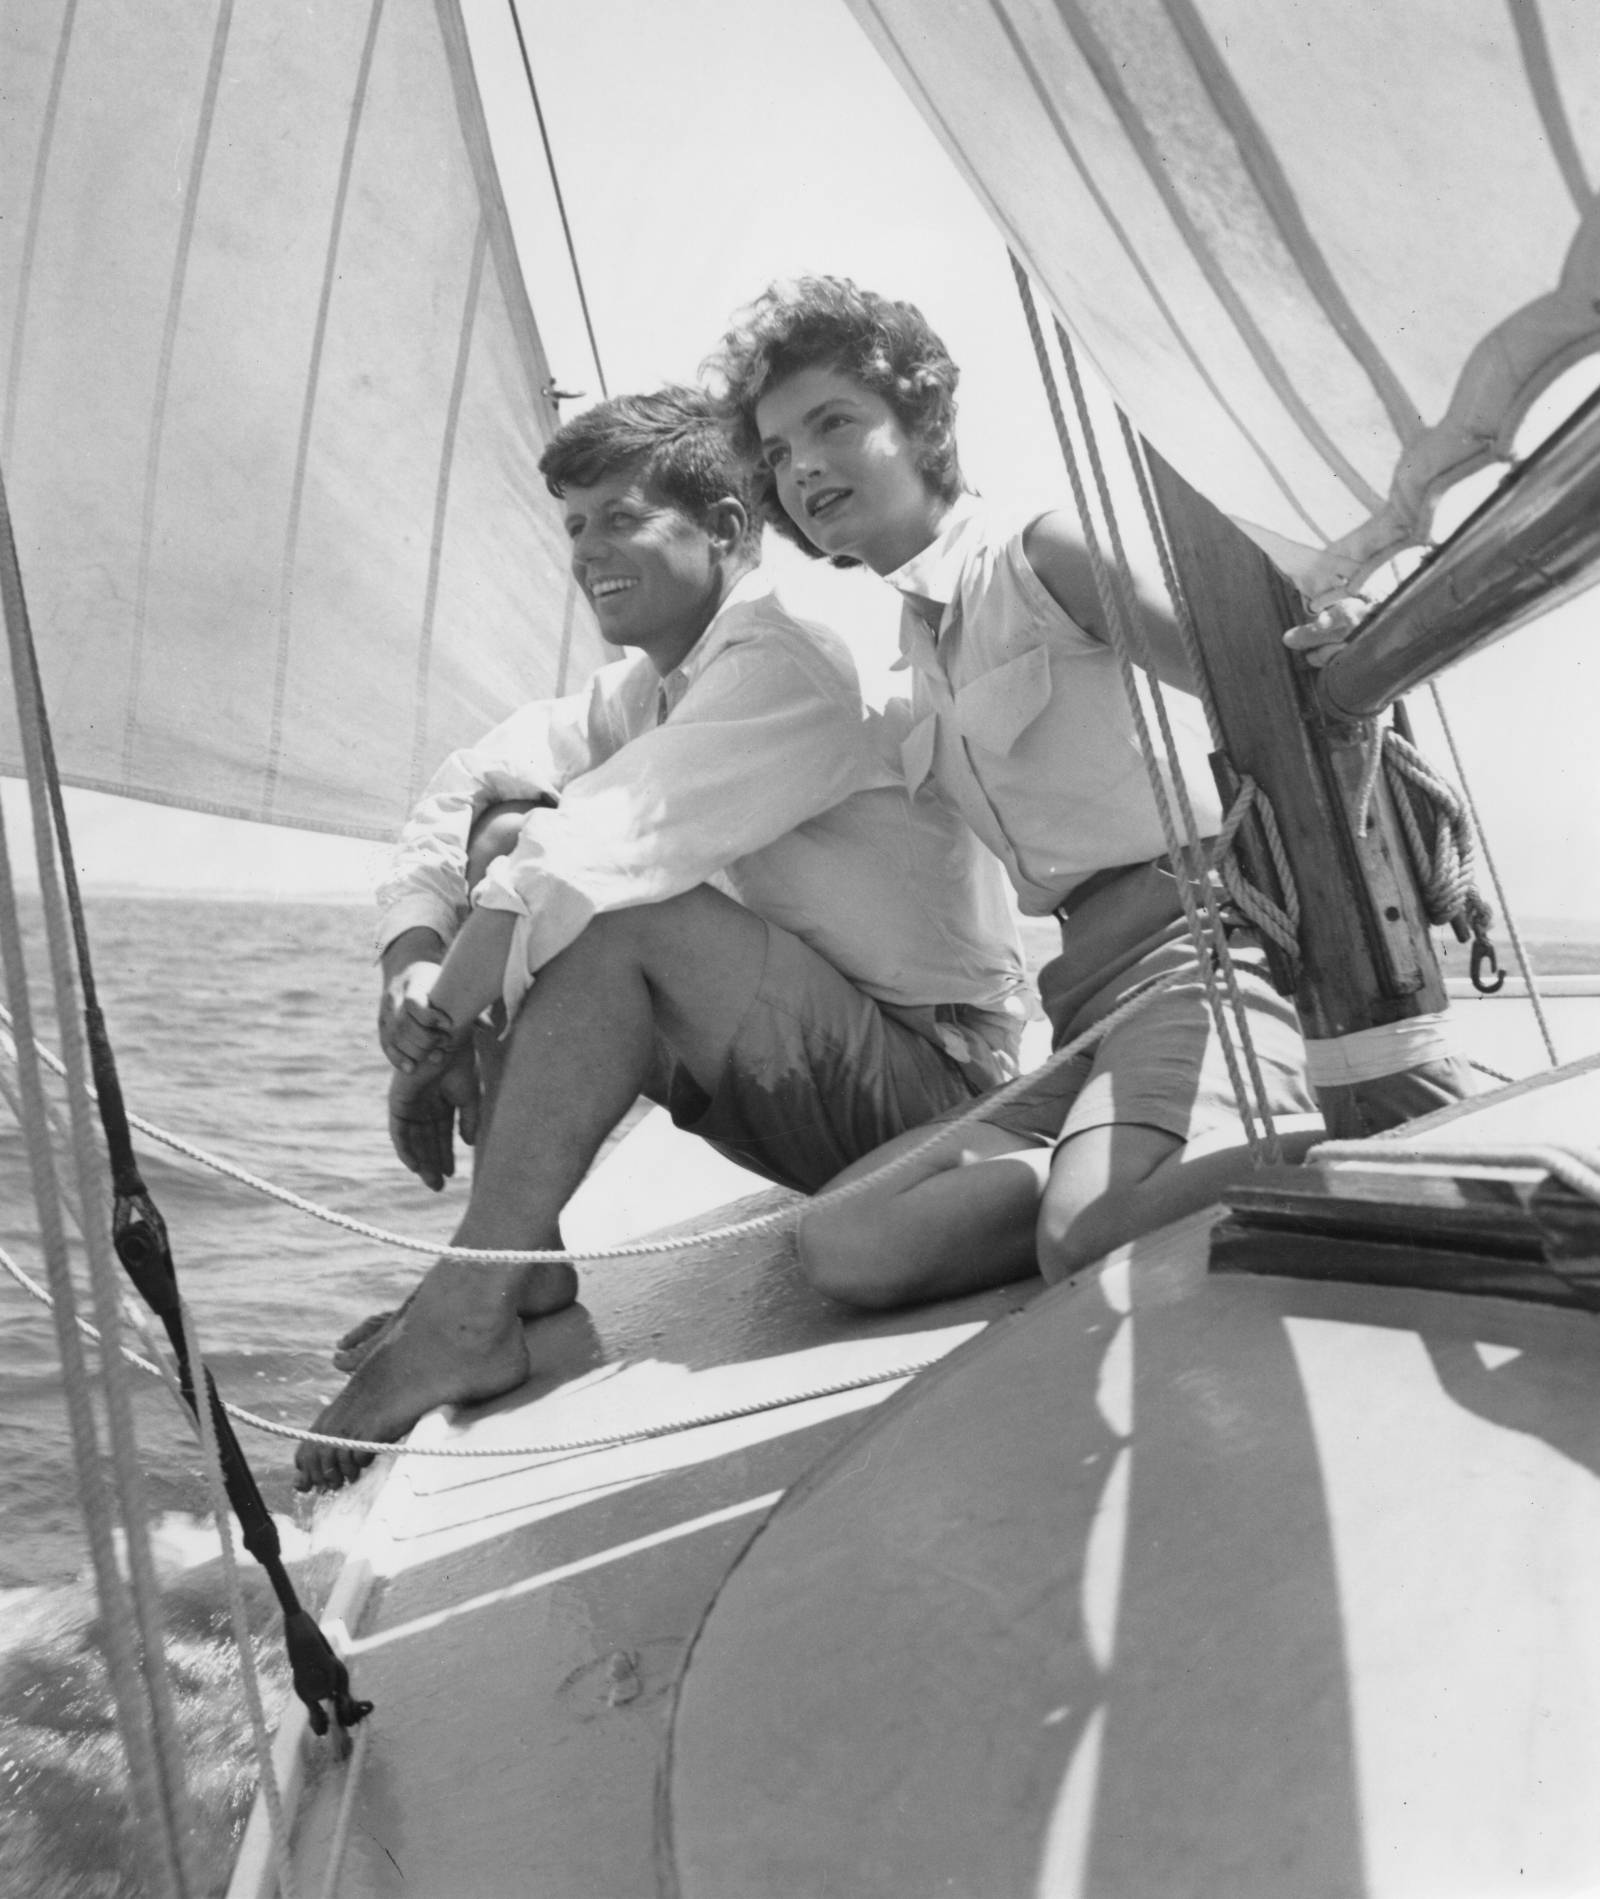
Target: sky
{"type": "Point", "coordinates": [792, 149]}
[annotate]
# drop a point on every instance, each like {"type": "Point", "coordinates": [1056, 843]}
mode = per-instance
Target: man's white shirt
{"type": "Point", "coordinates": [753, 767]}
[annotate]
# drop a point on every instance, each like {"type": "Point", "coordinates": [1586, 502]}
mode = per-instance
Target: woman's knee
{"type": "Point", "coordinates": [1072, 1234]}
{"type": "Point", "coordinates": [848, 1253]}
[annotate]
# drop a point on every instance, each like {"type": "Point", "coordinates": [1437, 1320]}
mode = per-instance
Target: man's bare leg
{"type": "Point", "coordinates": [582, 1049]}
{"type": "Point", "coordinates": [959, 1219]}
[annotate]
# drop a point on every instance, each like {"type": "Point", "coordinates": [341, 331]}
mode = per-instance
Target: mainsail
{"type": "Point", "coordinates": [273, 398]}
{"type": "Point", "coordinates": [1328, 253]}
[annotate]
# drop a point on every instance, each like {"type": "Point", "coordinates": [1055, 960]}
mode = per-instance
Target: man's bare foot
{"type": "Point", "coordinates": [456, 1340]}
{"type": "Point", "coordinates": [544, 1289]}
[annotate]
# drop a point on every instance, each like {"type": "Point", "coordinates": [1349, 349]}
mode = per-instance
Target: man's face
{"type": "Point", "coordinates": [846, 469]}
{"type": "Point", "coordinates": [651, 573]}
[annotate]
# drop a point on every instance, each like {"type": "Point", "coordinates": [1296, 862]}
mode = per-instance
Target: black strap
{"type": "Point", "coordinates": [139, 1234]}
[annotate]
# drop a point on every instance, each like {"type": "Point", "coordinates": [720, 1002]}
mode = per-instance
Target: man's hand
{"type": "Point", "coordinates": [1322, 636]}
{"type": "Point", "coordinates": [423, 1108]}
{"type": "Point", "coordinates": [412, 1033]}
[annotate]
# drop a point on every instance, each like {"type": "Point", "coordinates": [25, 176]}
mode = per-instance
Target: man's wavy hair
{"type": "Point", "coordinates": [831, 322]}
{"type": "Point", "coordinates": [671, 440]}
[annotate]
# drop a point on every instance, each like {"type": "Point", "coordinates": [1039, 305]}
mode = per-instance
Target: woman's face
{"type": "Point", "coordinates": [846, 469]}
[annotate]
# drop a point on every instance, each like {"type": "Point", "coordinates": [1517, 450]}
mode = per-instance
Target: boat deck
{"type": "Point", "coordinates": [1356, 1521]}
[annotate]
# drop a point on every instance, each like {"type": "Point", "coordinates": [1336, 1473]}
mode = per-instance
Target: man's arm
{"type": "Point", "coordinates": [425, 893]}
{"type": "Point", "coordinates": [770, 734]}
{"type": "Point", "coordinates": [1056, 553]}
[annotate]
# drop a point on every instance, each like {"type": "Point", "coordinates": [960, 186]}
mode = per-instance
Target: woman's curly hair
{"type": "Point", "coordinates": [887, 347]}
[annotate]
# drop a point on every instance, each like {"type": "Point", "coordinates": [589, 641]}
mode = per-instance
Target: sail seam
{"type": "Point", "coordinates": [441, 503]}
{"type": "Point", "coordinates": [269, 788]}
{"type": "Point", "coordinates": [1141, 269]}
{"type": "Point", "coordinates": [1278, 199]}
{"type": "Point", "coordinates": [1540, 70]}
{"type": "Point", "coordinates": [1103, 68]}
{"type": "Point", "coordinates": [30, 237]}
{"type": "Point", "coordinates": [204, 125]}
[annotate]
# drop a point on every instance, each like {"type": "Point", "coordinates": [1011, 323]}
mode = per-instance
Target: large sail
{"type": "Point", "coordinates": [272, 406]}
{"type": "Point", "coordinates": [1327, 252]}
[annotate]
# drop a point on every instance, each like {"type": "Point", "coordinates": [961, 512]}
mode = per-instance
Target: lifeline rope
{"type": "Point", "coordinates": [1506, 915]}
{"type": "Point", "coordinates": [1120, 610]}
{"type": "Point", "coordinates": [650, 1248]}
{"type": "Point", "coordinates": [134, 1647]}
{"type": "Point", "coordinates": [860, 1381]}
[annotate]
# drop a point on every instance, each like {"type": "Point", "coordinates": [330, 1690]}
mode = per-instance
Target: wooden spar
{"type": "Point", "coordinates": [1535, 541]}
{"type": "Point", "coordinates": [1366, 958]}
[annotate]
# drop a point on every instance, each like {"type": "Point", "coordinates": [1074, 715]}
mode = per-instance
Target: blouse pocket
{"type": "Point", "coordinates": [996, 709]}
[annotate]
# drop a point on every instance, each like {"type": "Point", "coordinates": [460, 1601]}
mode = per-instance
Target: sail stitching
{"type": "Point", "coordinates": [1278, 199]}
{"type": "Point", "coordinates": [1262, 353]}
{"type": "Point", "coordinates": [1152, 288]}
{"type": "Point", "coordinates": [1539, 68]}
{"type": "Point", "coordinates": [30, 236]}
{"type": "Point", "coordinates": [441, 504]}
{"type": "Point", "coordinates": [204, 126]}
{"type": "Point", "coordinates": [302, 457]}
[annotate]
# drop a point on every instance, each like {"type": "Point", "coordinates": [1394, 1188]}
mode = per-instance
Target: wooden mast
{"type": "Point", "coordinates": [1366, 959]}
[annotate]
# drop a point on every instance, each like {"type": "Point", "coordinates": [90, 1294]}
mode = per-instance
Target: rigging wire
{"type": "Point", "coordinates": [131, 1620]}
{"type": "Point", "coordinates": [560, 198]}
{"type": "Point", "coordinates": [1506, 917]}
{"type": "Point", "coordinates": [1118, 605]}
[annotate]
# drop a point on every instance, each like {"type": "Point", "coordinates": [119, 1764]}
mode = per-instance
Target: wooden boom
{"type": "Point", "coordinates": [1534, 542]}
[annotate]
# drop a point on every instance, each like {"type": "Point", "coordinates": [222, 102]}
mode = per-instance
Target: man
{"type": "Point", "coordinates": [714, 894]}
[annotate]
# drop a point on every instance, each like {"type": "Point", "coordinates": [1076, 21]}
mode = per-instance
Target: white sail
{"type": "Point", "coordinates": [272, 406]}
{"type": "Point", "coordinates": [1327, 252]}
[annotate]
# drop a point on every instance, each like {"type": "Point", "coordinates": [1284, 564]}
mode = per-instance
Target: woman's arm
{"type": "Point", "coordinates": [1057, 555]}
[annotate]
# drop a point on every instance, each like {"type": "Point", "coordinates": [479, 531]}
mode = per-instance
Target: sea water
{"type": "Point", "coordinates": [248, 1029]}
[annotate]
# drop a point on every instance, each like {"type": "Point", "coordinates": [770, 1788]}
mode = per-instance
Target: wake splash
{"type": "Point", "coordinates": [67, 1823]}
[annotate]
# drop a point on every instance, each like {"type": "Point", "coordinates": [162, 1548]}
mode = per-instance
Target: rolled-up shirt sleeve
{"type": "Point", "coordinates": [532, 754]}
{"type": "Point", "coordinates": [767, 736]}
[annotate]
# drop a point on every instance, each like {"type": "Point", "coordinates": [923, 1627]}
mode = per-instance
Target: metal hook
{"type": "Point", "coordinates": [1483, 959]}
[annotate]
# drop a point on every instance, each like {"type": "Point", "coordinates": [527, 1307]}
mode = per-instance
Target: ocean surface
{"type": "Point", "coordinates": [248, 1029]}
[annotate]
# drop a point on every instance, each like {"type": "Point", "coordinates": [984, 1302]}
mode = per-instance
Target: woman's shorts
{"type": "Point", "coordinates": [1164, 1066]}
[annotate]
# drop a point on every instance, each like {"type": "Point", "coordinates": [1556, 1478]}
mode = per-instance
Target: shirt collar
{"type": "Point", "coordinates": [933, 574]}
{"type": "Point", "coordinates": [745, 591]}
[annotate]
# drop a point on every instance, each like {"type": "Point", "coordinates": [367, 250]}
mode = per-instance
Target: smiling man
{"type": "Point", "coordinates": [695, 880]}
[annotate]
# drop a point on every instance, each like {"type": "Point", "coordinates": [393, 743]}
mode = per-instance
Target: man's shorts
{"type": "Point", "coordinates": [818, 1074]}
{"type": "Point", "coordinates": [1163, 1066]}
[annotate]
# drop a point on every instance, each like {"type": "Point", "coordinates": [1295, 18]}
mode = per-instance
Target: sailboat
{"type": "Point", "coordinates": [1253, 1560]}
